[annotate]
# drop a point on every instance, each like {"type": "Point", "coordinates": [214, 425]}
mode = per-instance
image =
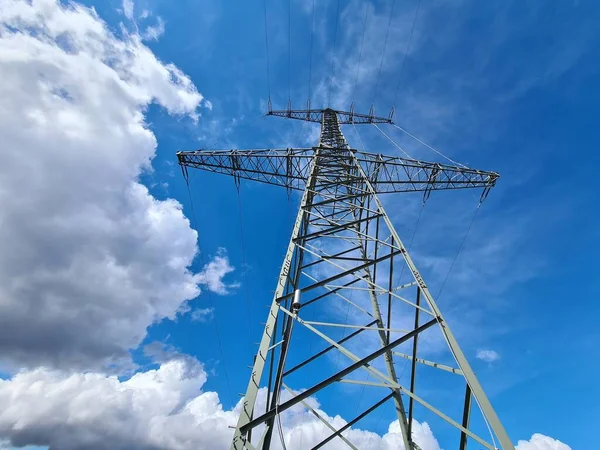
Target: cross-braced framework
{"type": "Point", "coordinates": [350, 305]}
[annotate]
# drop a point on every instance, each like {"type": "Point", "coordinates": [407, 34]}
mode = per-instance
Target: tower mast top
{"type": "Point", "coordinates": [343, 117]}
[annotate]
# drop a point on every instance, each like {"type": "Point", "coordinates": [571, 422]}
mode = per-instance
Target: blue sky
{"type": "Point", "coordinates": [504, 86]}
{"type": "Point", "coordinates": [501, 86]}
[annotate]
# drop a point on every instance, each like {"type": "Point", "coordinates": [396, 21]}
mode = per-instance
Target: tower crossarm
{"type": "Point", "coordinates": [290, 168]}
{"type": "Point", "coordinates": [316, 115]}
{"type": "Point", "coordinates": [394, 174]}
{"type": "Point", "coordinates": [281, 167]}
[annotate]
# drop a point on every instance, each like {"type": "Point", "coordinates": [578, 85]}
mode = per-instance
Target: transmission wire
{"type": "Point", "coordinates": [406, 52]}
{"type": "Point", "coordinates": [428, 146]}
{"type": "Point", "coordinates": [212, 304]}
{"type": "Point", "coordinates": [383, 52]}
{"type": "Point", "coordinates": [312, 26]}
{"type": "Point", "coordinates": [332, 72]}
{"type": "Point", "coordinates": [459, 250]}
{"type": "Point", "coordinates": [412, 238]}
{"type": "Point", "coordinates": [337, 362]}
{"type": "Point", "coordinates": [375, 428]}
{"type": "Point", "coordinates": [382, 411]}
{"type": "Point", "coordinates": [362, 41]}
{"type": "Point", "coordinates": [290, 51]}
{"type": "Point", "coordinates": [392, 141]}
{"type": "Point", "coordinates": [267, 50]}
{"type": "Point", "coordinates": [243, 245]}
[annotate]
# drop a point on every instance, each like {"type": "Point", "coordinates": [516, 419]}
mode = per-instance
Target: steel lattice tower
{"type": "Point", "coordinates": [344, 250]}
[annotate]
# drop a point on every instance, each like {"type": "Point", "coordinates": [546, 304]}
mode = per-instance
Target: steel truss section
{"type": "Point", "coordinates": [290, 168]}
{"type": "Point", "coordinates": [350, 307]}
{"type": "Point", "coordinates": [342, 117]}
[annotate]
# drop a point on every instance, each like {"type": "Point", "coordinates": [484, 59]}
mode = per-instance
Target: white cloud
{"type": "Point", "coordinates": [163, 409]}
{"type": "Point", "coordinates": [541, 442]}
{"type": "Point", "coordinates": [202, 315]}
{"type": "Point", "coordinates": [213, 273]}
{"type": "Point", "coordinates": [153, 32]}
{"type": "Point", "coordinates": [89, 258]}
{"type": "Point", "coordinates": [128, 9]}
{"type": "Point", "coordinates": [167, 409]}
{"type": "Point", "coordinates": [487, 355]}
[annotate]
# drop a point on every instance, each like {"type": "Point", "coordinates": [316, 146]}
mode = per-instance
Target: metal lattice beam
{"type": "Point", "coordinates": [345, 251]}
{"type": "Point", "coordinates": [343, 117]}
{"type": "Point", "coordinates": [290, 168]}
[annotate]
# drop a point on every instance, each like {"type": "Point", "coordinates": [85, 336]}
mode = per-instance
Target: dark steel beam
{"type": "Point", "coordinates": [331, 347]}
{"type": "Point", "coordinates": [342, 274]}
{"type": "Point", "coordinates": [465, 419]}
{"type": "Point", "coordinates": [413, 369]}
{"type": "Point", "coordinates": [335, 377]}
{"type": "Point", "coordinates": [353, 421]}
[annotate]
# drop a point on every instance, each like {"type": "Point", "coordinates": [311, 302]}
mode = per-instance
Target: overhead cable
{"type": "Point", "coordinates": [392, 141]}
{"type": "Point", "coordinates": [406, 52]}
{"type": "Point", "coordinates": [245, 268]}
{"type": "Point", "coordinates": [289, 51]}
{"type": "Point", "coordinates": [267, 50]}
{"type": "Point", "coordinates": [428, 146]}
{"type": "Point", "coordinates": [312, 26]}
{"type": "Point", "coordinates": [462, 243]}
{"type": "Point", "coordinates": [387, 34]}
{"type": "Point", "coordinates": [332, 72]}
{"type": "Point", "coordinates": [212, 304]}
{"type": "Point", "coordinates": [362, 41]}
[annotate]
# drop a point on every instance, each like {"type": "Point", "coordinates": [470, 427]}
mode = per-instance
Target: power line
{"type": "Point", "coordinates": [243, 245]}
{"type": "Point", "coordinates": [362, 41]}
{"type": "Point", "coordinates": [412, 238]}
{"type": "Point", "coordinates": [289, 51]}
{"type": "Point", "coordinates": [383, 52]}
{"type": "Point", "coordinates": [331, 73]}
{"type": "Point", "coordinates": [393, 142]}
{"type": "Point", "coordinates": [407, 50]}
{"type": "Point", "coordinates": [458, 252]}
{"type": "Point", "coordinates": [212, 304]}
{"type": "Point", "coordinates": [312, 26]}
{"type": "Point", "coordinates": [428, 146]}
{"type": "Point", "coordinates": [267, 50]}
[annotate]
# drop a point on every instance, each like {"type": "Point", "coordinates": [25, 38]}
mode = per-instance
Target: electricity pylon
{"type": "Point", "coordinates": [344, 250]}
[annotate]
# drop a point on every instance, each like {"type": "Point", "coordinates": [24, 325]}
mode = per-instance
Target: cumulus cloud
{"type": "Point", "coordinates": [153, 32]}
{"type": "Point", "coordinates": [158, 409]}
{"type": "Point", "coordinates": [487, 355]}
{"type": "Point", "coordinates": [89, 258]}
{"type": "Point", "coordinates": [214, 272]}
{"type": "Point", "coordinates": [128, 9]}
{"type": "Point", "coordinates": [202, 314]}
{"type": "Point", "coordinates": [541, 442]}
{"type": "Point", "coordinates": [164, 408]}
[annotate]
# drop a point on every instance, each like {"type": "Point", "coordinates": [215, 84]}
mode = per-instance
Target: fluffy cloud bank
{"type": "Point", "coordinates": [89, 258]}
{"type": "Point", "coordinates": [157, 409]}
{"type": "Point", "coordinates": [164, 408]}
{"type": "Point", "coordinates": [541, 442]}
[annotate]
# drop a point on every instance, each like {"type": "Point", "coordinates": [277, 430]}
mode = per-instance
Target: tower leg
{"type": "Point", "coordinates": [239, 440]}
{"type": "Point", "coordinates": [471, 379]}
